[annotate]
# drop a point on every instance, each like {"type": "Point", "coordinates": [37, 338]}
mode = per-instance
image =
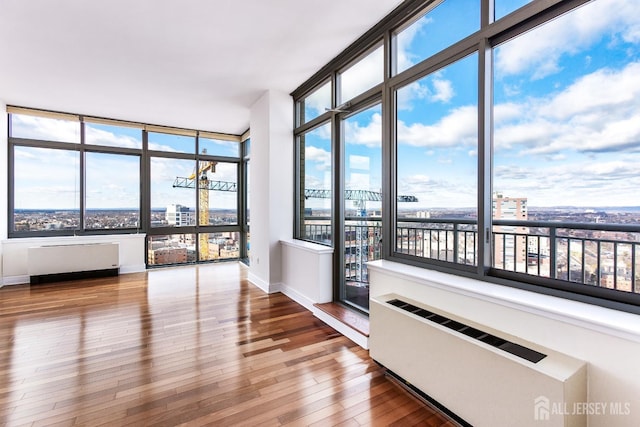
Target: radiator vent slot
{"type": "Point", "coordinates": [502, 344]}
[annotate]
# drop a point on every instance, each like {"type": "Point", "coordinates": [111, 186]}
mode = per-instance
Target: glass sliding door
{"type": "Point", "coordinates": [362, 203]}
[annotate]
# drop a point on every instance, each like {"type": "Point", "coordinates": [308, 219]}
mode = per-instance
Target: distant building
{"type": "Point", "coordinates": [510, 242]}
{"type": "Point", "coordinates": [168, 256]}
{"type": "Point", "coordinates": [179, 215]}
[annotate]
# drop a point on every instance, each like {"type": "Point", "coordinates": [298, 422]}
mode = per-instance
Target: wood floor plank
{"type": "Point", "coordinates": [194, 346]}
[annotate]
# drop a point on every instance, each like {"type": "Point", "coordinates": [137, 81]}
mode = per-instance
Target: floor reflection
{"type": "Point", "coordinates": [197, 345]}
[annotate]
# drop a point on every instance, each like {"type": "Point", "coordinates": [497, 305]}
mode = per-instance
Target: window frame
{"type": "Point", "coordinates": [491, 33]}
{"type": "Point", "coordinates": [299, 217]}
{"type": "Point", "coordinates": [144, 155]}
{"type": "Point", "coordinates": [81, 148]}
{"type": "Point", "coordinates": [196, 229]}
{"type": "Point", "coordinates": [366, 93]}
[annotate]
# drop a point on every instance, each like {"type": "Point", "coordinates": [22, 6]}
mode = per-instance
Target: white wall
{"type": "Point", "coordinates": [14, 257]}
{"type": "Point", "coordinates": [3, 179]}
{"type": "Point", "coordinates": [307, 278]}
{"type": "Point", "coordinates": [608, 340]}
{"type": "Point", "coordinates": [271, 182]}
{"type": "Point", "coordinates": [307, 272]}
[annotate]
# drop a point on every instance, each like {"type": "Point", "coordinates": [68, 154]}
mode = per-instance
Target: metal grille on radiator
{"type": "Point", "coordinates": [502, 344]}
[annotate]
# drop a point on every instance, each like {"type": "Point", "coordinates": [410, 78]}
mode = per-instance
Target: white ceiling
{"type": "Point", "coordinates": [186, 63]}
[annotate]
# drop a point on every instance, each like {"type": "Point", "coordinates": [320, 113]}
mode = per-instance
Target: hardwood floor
{"type": "Point", "coordinates": [191, 345]}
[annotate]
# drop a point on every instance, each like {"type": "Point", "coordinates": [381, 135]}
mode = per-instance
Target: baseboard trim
{"type": "Point", "coordinates": [126, 269]}
{"type": "Point", "coordinates": [265, 286]}
{"type": "Point", "coordinates": [15, 280]}
{"type": "Point", "coordinates": [298, 297]}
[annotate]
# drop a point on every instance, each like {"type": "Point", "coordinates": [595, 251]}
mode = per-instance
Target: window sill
{"type": "Point", "coordinates": [308, 246]}
{"type": "Point", "coordinates": [611, 322]}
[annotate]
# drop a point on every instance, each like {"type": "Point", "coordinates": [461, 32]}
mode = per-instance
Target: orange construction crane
{"type": "Point", "coordinates": [204, 186]}
{"type": "Point", "coordinates": [203, 209]}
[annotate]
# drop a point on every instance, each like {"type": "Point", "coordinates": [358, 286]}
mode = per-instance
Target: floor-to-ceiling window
{"type": "Point", "coordinates": [361, 227]}
{"type": "Point", "coordinates": [437, 157]}
{"type": "Point", "coordinates": [316, 183]}
{"type": "Point", "coordinates": [194, 201]}
{"type": "Point", "coordinates": [508, 135]}
{"type": "Point", "coordinates": [566, 148]}
{"type": "Point", "coordinates": [339, 171]}
{"type": "Point", "coordinates": [245, 237]}
{"type": "Point", "coordinates": [72, 174]}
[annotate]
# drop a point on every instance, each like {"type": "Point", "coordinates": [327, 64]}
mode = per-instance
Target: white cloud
{"type": "Point", "coordinates": [319, 100]}
{"type": "Point", "coordinates": [556, 157]}
{"type": "Point", "coordinates": [363, 75]}
{"type": "Point", "coordinates": [106, 189]}
{"type": "Point", "coordinates": [432, 88]}
{"type": "Point", "coordinates": [443, 90]}
{"type": "Point", "coordinates": [604, 89]}
{"type": "Point", "coordinates": [507, 111]}
{"type": "Point", "coordinates": [359, 162]}
{"type": "Point", "coordinates": [312, 182]}
{"type": "Point", "coordinates": [33, 127]}
{"type": "Point", "coordinates": [225, 172]}
{"type": "Point", "coordinates": [361, 181]}
{"type": "Point", "coordinates": [409, 93]}
{"type": "Point", "coordinates": [405, 59]}
{"type": "Point", "coordinates": [540, 50]}
{"type": "Point", "coordinates": [577, 183]}
{"type": "Point", "coordinates": [369, 135]}
{"type": "Point", "coordinates": [457, 128]}
{"type": "Point", "coordinates": [444, 191]}
{"type": "Point", "coordinates": [46, 178]}
{"type": "Point", "coordinates": [21, 154]}
{"type": "Point", "coordinates": [168, 169]}
{"type": "Point", "coordinates": [598, 112]}
{"type": "Point", "coordinates": [161, 147]}
{"type": "Point", "coordinates": [321, 157]}
{"type": "Point", "coordinates": [103, 137]}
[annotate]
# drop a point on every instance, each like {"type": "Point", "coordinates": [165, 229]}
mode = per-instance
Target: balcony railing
{"type": "Point", "coordinates": [602, 255]}
{"type": "Point", "coordinates": [451, 240]}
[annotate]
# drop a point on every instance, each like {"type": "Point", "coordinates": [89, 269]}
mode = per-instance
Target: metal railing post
{"type": "Point", "coordinates": [553, 272]}
{"type": "Point", "coordinates": [455, 242]}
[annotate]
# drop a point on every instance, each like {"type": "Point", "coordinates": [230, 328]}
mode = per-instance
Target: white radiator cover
{"type": "Point", "coordinates": [56, 259]}
{"type": "Point", "coordinates": [482, 384]}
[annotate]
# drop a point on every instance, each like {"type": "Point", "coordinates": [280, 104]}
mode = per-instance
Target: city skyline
{"type": "Point", "coordinates": [566, 118]}
{"type": "Point", "coordinates": [566, 113]}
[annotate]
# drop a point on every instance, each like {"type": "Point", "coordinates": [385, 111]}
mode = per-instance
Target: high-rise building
{"type": "Point", "coordinates": [179, 215]}
{"type": "Point", "coordinates": [510, 247]}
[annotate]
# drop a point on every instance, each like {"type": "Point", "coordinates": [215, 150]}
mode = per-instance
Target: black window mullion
{"type": "Point", "coordinates": [11, 189]}
{"type": "Point", "coordinates": [145, 186]}
{"type": "Point", "coordinates": [83, 179]}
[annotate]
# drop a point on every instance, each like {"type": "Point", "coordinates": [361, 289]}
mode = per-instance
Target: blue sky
{"type": "Point", "coordinates": [49, 179]}
{"type": "Point", "coordinates": [449, 22]}
{"type": "Point", "coordinates": [566, 115]}
{"type": "Point", "coordinates": [566, 122]}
